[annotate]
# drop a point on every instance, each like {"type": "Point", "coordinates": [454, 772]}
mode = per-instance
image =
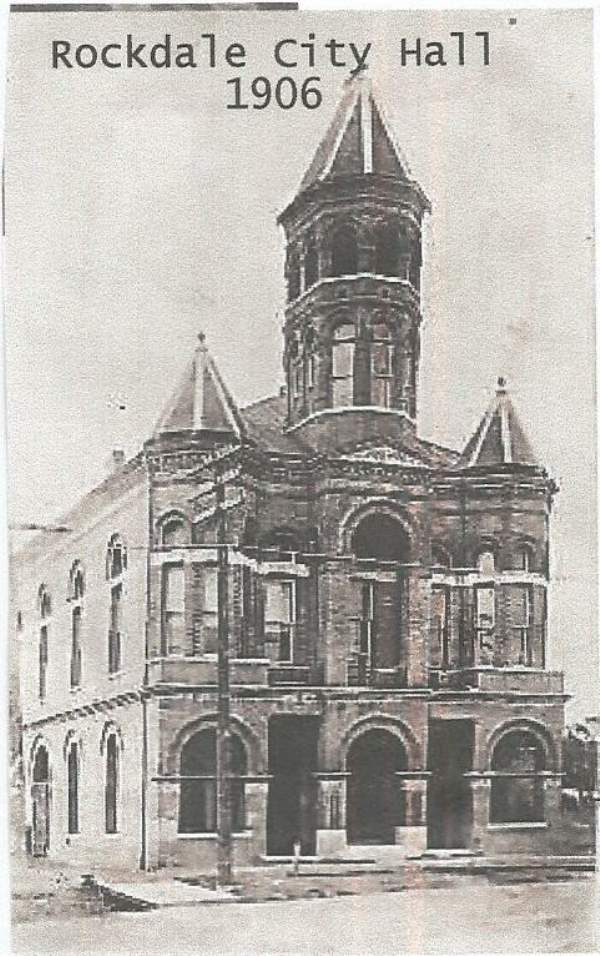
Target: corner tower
{"type": "Point", "coordinates": [353, 265]}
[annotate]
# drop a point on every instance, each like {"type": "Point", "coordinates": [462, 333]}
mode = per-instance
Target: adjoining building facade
{"type": "Point", "coordinates": [387, 596]}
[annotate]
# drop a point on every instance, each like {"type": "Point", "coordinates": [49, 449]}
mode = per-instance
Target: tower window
{"type": "Point", "coordinates": [311, 262]}
{"type": "Point", "coordinates": [382, 357]}
{"type": "Point", "coordinates": [173, 608]}
{"type": "Point", "coordinates": [387, 251]}
{"type": "Point", "coordinates": [344, 252]}
{"type": "Point", "coordinates": [342, 366]}
{"type": "Point", "coordinates": [293, 276]}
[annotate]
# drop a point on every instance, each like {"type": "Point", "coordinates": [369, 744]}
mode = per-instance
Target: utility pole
{"type": "Point", "coordinates": [224, 847]}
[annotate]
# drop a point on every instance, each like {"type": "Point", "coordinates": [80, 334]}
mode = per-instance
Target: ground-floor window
{"type": "Point", "coordinates": [111, 784]}
{"type": "Point", "coordinates": [73, 788]}
{"type": "Point", "coordinates": [198, 793]}
{"type": "Point", "coordinates": [518, 789]}
{"type": "Point", "coordinates": [375, 795]}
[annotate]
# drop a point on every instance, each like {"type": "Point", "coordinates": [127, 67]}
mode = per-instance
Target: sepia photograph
{"type": "Point", "coordinates": [299, 327]}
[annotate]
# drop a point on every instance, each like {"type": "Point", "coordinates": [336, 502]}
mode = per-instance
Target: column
{"type": "Point", "coordinates": [412, 787]}
{"type": "Point", "coordinates": [480, 802]}
{"type": "Point", "coordinates": [256, 793]}
{"type": "Point", "coordinates": [331, 813]}
{"type": "Point", "coordinates": [415, 624]}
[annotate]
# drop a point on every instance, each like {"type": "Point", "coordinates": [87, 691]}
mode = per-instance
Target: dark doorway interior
{"type": "Point", "coordinates": [449, 806]}
{"type": "Point", "coordinates": [291, 809]}
{"type": "Point", "coordinates": [375, 797]}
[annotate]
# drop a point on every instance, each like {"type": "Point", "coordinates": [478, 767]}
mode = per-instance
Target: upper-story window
{"type": "Point", "coordinates": [281, 596]}
{"type": "Point", "coordinates": [440, 556]}
{"type": "Point", "coordinates": [206, 610]}
{"type": "Point", "coordinates": [524, 559]}
{"type": "Point", "coordinates": [76, 595]}
{"type": "Point", "coordinates": [344, 252]}
{"type": "Point", "coordinates": [293, 275]}
{"type": "Point", "coordinates": [485, 604]}
{"type": "Point", "coordinates": [379, 537]}
{"type": "Point", "coordinates": [45, 610]}
{"type": "Point", "coordinates": [382, 360]}
{"type": "Point", "coordinates": [116, 565]}
{"type": "Point", "coordinates": [387, 251]}
{"type": "Point", "coordinates": [342, 365]}
{"type": "Point", "coordinates": [173, 608]}
{"type": "Point", "coordinates": [311, 262]}
{"type": "Point", "coordinates": [174, 532]}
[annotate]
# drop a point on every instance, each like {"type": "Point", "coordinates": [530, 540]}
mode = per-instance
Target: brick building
{"type": "Point", "coordinates": [386, 596]}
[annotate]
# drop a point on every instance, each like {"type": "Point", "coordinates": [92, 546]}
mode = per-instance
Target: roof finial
{"type": "Point", "coordinates": [202, 339]}
{"type": "Point", "coordinates": [501, 385]}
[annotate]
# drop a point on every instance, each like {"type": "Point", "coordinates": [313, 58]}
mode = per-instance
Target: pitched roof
{"type": "Point", "coordinates": [499, 438]}
{"type": "Point", "coordinates": [264, 422]}
{"type": "Point", "coordinates": [201, 400]}
{"type": "Point", "coordinates": [358, 140]}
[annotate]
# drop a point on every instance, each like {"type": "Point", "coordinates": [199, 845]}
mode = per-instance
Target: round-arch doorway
{"type": "Point", "coordinates": [375, 805]}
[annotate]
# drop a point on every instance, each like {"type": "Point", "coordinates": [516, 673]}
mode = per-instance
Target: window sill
{"type": "Point", "coordinates": [524, 825]}
{"type": "Point", "coordinates": [243, 835]}
{"type": "Point", "coordinates": [115, 674]}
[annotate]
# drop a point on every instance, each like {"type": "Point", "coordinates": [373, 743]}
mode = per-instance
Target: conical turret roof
{"type": "Point", "coordinates": [500, 439]}
{"type": "Point", "coordinates": [358, 140]}
{"type": "Point", "coordinates": [201, 401]}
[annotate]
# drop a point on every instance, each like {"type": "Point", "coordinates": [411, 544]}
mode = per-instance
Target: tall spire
{"type": "Point", "coordinates": [358, 140]}
{"type": "Point", "coordinates": [201, 401]}
{"type": "Point", "coordinates": [499, 439]}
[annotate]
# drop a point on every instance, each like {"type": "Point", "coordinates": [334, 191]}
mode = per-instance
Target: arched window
{"type": "Point", "coordinates": [76, 593]}
{"type": "Point", "coordinates": [116, 565]}
{"type": "Point", "coordinates": [440, 556]}
{"type": "Point", "coordinates": [342, 365]}
{"type": "Point", "coordinates": [524, 558]}
{"type": "Point", "coordinates": [45, 610]}
{"type": "Point", "coordinates": [280, 595]}
{"type": "Point", "coordinates": [382, 361]}
{"type": "Point", "coordinates": [344, 252]}
{"type": "Point", "coordinates": [111, 783]}
{"type": "Point", "coordinates": [517, 785]}
{"type": "Point", "coordinates": [382, 537]}
{"type": "Point", "coordinates": [40, 802]}
{"type": "Point", "coordinates": [73, 787]}
{"type": "Point", "coordinates": [387, 251]}
{"type": "Point", "coordinates": [311, 262]}
{"type": "Point", "coordinates": [486, 562]}
{"type": "Point", "coordinates": [293, 275]}
{"type": "Point", "coordinates": [379, 537]}
{"type": "Point", "coordinates": [198, 792]}
{"type": "Point", "coordinates": [174, 532]}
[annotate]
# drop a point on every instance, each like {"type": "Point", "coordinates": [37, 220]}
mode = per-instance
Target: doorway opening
{"type": "Point", "coordinates": [291, 807]}
{"type": "Point", "coordinates": [449, 803]}
{"type": "Point", "coordinates": [376, 803]}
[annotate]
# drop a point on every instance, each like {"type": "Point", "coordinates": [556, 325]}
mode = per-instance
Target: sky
{"type": "Point", "coordinates": [140, 211]}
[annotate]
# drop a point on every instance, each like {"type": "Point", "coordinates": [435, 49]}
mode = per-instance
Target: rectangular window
{"type": "Point", "coordinates": [73, 789]}
{"type": "Point", "coordinates": [173, 608]}
{"type": "Point", "coordinates": [280, 617]}
{"type": "Point", "coordinates": [114, 633]}
{"type": "Point", "coordinates": [441, 629]}
{"type": "Point", "coordinates": [522, 624]}
{"type": "Point", "coordinates": [111, 784]}
{"type": "Point", "coordinates": [207, 612]}
{"type": "Point", "coordinates": [342, 373]}
{"type": "Point", "coordinates": [76, 647]}
{"type": "Point", "coordinates": [43, 663]}
{"type": "Point", "coordinates": [381, 373]}
{"type": "Point", "coordinates": [367, 623]}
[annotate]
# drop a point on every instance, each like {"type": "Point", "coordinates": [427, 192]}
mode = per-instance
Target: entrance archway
{"type": "Point", "coordinates": [40, 803]}
{"type": "Point", "coordinates": [375, 805]}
